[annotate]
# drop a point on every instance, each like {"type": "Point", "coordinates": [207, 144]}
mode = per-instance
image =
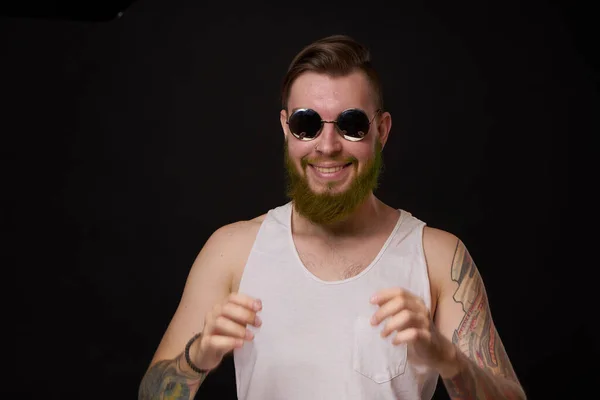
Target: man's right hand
{"type": "Point", "coordinates": [225, 329]}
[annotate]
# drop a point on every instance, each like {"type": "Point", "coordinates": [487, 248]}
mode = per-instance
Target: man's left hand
{"type": "Point", "coordinates": [409, 320]}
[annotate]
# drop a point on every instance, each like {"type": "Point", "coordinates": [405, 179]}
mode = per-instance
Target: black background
{"type": "Point", "coordinates": [127, 140]}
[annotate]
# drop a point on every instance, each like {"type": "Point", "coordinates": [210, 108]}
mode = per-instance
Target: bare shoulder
{"type": "Point", "coordinates": [232, 244]}
{"type": "Point", "coordinates": [440, 249]}
{"type": "Point", "coordinates": [236, 233]}
{"type": "Point", "coordinates": [231, 241]}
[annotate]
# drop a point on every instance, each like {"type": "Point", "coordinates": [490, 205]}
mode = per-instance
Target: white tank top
{"type": "Point", "coordinates": [316, 341]}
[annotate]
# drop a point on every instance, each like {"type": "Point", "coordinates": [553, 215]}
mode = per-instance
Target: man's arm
{"type": "Point", "coordinates": [480, 367]}
{"type": "Point", "coordinates": [209, 282]}
{"type": "Point", "coordinates": [170, 379]}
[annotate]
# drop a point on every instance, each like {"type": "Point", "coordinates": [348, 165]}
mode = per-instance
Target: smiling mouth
{"type": "Point", "coordinates": [330, 170]}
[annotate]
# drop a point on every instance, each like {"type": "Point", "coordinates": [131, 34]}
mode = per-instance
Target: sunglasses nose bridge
{"type": "Point", "coordinates": [329, 126]}
{"type": "Point", "coordinates": [329, 139]}
{"type": "Point", "coordinates": [334, 126]}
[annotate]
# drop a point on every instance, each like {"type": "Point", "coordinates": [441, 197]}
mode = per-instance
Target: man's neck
{"type": "Point", "coordinates": [361, 222]}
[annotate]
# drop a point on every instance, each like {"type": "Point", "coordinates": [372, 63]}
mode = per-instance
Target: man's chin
{"type": "Point", "coordinates": [325, 206]}
{"type": "Point", "coordinates": [328, 192]}
{"type": "Point", "coordinates": [328, 188]}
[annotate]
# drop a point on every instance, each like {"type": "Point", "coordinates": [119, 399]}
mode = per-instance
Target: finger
{"type": "Point", "coordinates": [411, 335]}
{"type": "Point", "coordinates": [405, 319]}
{"type": "Point", "coordinates": [209, 323]}
{"type": "Point", "coordinates": [240, 314]}
{"type": "Point", "coordinates": [394, 306]}
{"type": "Point", "coordinates": [224, 344]}
{"type": "Point", "coordinates": [385, 295]}
{"type": "Point", "coordinates": [245, 301]}
{"type": "Point", "coordinates": [227, 327]}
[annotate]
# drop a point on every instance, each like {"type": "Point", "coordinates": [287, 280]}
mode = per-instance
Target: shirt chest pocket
{"type": "Point", "coordinates": [375, 357]}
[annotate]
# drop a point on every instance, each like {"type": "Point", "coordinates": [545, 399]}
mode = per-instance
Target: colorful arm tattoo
{"type": "Point", "coordinates": [486, 371]}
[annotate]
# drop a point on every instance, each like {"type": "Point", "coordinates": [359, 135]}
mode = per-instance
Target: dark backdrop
{"type": "Point", "coordinates": [127, 142]}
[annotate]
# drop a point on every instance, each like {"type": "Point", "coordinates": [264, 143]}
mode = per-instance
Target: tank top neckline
{"type": "Point", "coordinates": [298, 261]}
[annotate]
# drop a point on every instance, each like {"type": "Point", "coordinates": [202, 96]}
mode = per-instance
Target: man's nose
{"type": "Point", "coordinates": [330, 141]}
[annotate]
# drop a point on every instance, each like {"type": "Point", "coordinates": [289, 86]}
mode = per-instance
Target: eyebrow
{"type": "Point", "coordinates": [293, 110]}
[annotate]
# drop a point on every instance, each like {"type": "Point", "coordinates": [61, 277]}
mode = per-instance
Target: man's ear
{"type": "Point", "coordinates": [384, 125]}
{"type": "Point", "coordinates": [283, 120]}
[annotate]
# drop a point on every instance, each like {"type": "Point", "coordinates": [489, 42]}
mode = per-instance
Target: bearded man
{"type": "Point", "coordinates": [334, 295]}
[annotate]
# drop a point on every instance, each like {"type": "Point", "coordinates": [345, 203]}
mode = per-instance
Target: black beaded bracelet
{"type": "Point", "coordinates": [187, 355]}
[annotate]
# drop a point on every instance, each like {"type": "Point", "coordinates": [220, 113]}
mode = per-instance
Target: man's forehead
{"type": "Point", "coordinates": [328, 93]}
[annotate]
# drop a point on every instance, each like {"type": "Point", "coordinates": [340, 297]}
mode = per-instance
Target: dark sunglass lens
{"type": "Point", "coordinates": [305, 124]}
{"type": "Point", "coordinates": [354, 123]}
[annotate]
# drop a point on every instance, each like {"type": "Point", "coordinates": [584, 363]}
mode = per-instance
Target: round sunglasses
{"type": "Point", "coordinates": [352, 124]}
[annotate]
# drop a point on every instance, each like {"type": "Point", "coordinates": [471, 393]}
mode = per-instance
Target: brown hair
{"type": "Point", "coordinates": [336, 55]}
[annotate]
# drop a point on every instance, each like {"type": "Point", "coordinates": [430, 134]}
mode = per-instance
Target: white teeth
{"type": "Point", "coordinates": [328, 170]}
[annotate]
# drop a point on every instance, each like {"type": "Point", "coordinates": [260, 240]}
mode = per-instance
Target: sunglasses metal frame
{"type": "Point", "coordinates": [335, 122]}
